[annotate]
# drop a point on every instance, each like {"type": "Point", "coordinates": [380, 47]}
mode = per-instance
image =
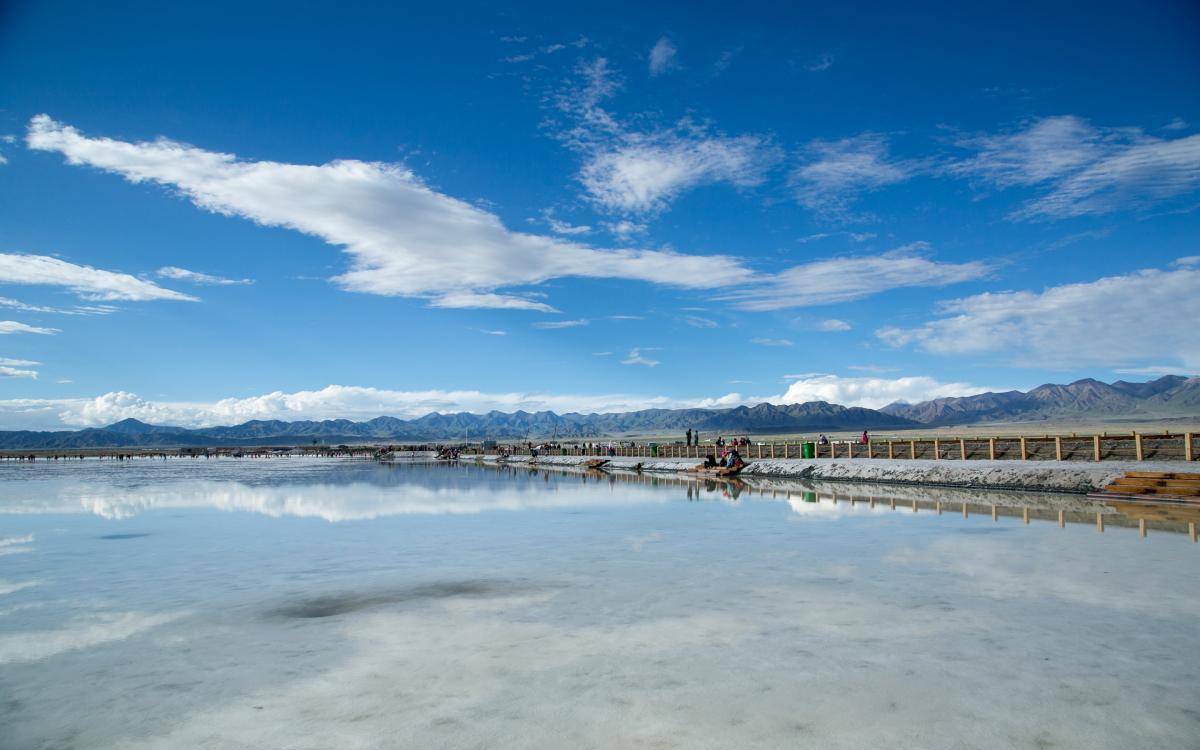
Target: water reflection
{"type": "Point", "coordinates": [357, 490]}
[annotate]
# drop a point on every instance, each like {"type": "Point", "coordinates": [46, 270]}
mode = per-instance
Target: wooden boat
{"type": "Point", "coordinates": [595, 463]}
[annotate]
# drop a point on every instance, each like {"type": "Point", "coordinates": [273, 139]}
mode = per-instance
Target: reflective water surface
{"type": "Point", "coordinates": [334, 603]}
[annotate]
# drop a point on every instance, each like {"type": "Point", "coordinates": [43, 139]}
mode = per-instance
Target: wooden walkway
{"type": "Point", "coordinates": [1173, 487]}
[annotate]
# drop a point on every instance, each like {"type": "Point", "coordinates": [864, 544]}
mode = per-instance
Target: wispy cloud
{"type": "Point", "coordinates": [641, 171]}
{"type": "Point", "coordinates": [555, 324]}
{"type": "Point", "coordinates": [663, 56]}
{"type": "Point", "coordinates": [1081, 169]}
{"type": "Point", "coordinates": [836, 173]}
{"type": "Point", "coordinates": [822, 62]}
{"type": "Point", "coordinates": [637, 358]}
{"type": "Point", "coordinates": [836, 280]}
{"type": "Point", "coordinates": [832, 325]}
{"type": "Point", "coordinates": [492, 333]}
{"type": "Point", "coordinates": [403, 238]}
{"type": "Point", "coordinates": [183, 274]}
{"type": "Point", "coordinates": [85, 281]}
{"type": "Point", "coordinates": [12, 326]}
{"type": "Point", "coordinates": [695, 321]}
{"type": "Point", "coordinates": [14, 372]}
{"type": "Point", "coordinates": [1072, 325]}
{"type": "Point", "coordinates": [14, 304]}
{"type": "Point", "coordinates": [771, 342]}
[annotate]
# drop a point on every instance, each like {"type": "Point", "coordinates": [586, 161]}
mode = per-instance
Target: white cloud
{"type": "Point", "coordinates": [872, 393]}
{"type": "Point", "coordinates": [12, 326]}
{"type": "Point", "coordinates": [695, 321]}
{"type": "Point", "coordinates": [771, 342]}
{"type": "Point", "coordinates": [625, 229]}
{"type": "Point", "coordinates": [362, 403]}
{"type": "Point", "coordinates": [403, 237]}
{"type": "Point", "coordinates": [555, 324]}
{"type": "Point", "coordinates": [823, 62]}
{"type": "Point", "coordinates": [837, 280]}
{"type": "Point", "coordinates": [642, 171]}
{"type": "Point", "coordinates": [833, 324]}
{"type": "Point", "coordinates": [1081, 169]}
{"type": "Point", "coordinates": [662, 56]}
{"type": "Point", "coordinates": [635, 358]}
{"type": "Point", "coordinates": [1177, 123]}
{"type": "Point", "coordinates": [85, 281]}
{"type": "Point", "coordinates": [476, 300]}
{"type": "Point", "coordinates": [18, 362]}
{"type": "Point", "coordinates": [13, 372]}
{"type": "Point", "coordinates": [836, 173]}
{"type": "Point", "coordinates": [645, 173]}
{"type": "Point", "coordinates": [1133, 320]}
{"type": "Point", "coordinates": [626, 317]}
{"type": "Point", "coordinates": [14, 304]}
{"type": "Point", "coordinates": [601, 354]}
{"type": "Point", "coordinates": [492, 333]}
{"type": "Point", "coordinates": [183, 274]}
{"type": "Point", "coordinates": [561, 227]}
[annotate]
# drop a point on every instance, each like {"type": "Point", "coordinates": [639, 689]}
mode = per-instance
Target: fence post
{"type": "Point", "coordinates": [785, 449]}
{"type": "Point", "coordinates": [1187, 447]}
{"type": "Point", "coordinates": [962, 449]}
{"type": "Point", "coordinates": [1024, 452]}
{"type": "Point", "coordinates": [937, 449]}
{"type": "Point", "coordinates": [849, 450]}
{"type": "Point", "coordinates": [991, 449]}
{"type": "Point", "coordinates": [912, 448]}
{"type": "Point", "coordinates": [891, 449]}
{"type": "Point", "coordinates": [1096, 446]}
{"type": "Point", "coordinates": [759, 446]}
{"type": "Point", "coordinates": [870, 449]}
{"type": "Point", "coordinates": [1137, 444]}
{"type": "Point", "coordinates": [1058, 448]}
{"type": "Point", "coordinates": [772, 449]}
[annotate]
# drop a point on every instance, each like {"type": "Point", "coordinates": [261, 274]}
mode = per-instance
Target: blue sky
{"type": "Point", "coordinates": [287, 211]}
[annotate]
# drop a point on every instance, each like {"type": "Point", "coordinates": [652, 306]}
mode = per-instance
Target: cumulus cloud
{"type": "Point", "coordinates": [12, 326]}
{"type": "Point", "coordinates": [662, 56]}
{"type": "Point", "coordinates": [85, 281]}
{"type": "Point", "coordinates": [403, 237]}
{"type": "Point", "coordinates": [362, 403]}
{"type": "Point", "coordinates": [642, 171]}
{"type": "Point", "coordinates": [872, 393]}
{"type": "Point", "coordinates": [1117, 321]}
{"type": "Point", "coordinates": [1081, 169]}
{"type": "Point", "coordinates": [837, 280]}
{"type": "Point", "coordinates": [835, 173]}
{"type": "Point", "coordinates": [183, 274]}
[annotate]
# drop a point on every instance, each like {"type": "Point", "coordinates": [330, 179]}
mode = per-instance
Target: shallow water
{"type": "Point", "coordinates": [329, 603]}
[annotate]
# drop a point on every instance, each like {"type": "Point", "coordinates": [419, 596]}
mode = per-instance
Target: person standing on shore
{"type": "Point", "coordinates": [688, 437]}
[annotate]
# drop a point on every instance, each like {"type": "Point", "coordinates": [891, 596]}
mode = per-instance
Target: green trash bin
{"type": "Point", "coordinates": [654, 450]}
{"type": "Point", "coordinates": [808, 450]}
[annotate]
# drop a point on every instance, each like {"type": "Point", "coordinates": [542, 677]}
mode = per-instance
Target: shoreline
{"type": "Point", "coordinates": [1070, 477]}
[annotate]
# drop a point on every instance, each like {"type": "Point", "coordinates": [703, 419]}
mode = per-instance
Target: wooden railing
{"type": "Point", "coordinates": [1104, 447]}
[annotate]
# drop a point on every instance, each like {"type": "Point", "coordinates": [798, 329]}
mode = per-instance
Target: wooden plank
{"type": "Point", "coordinates": [1137, 443]}
{"type": "Point", "coordinates": [992, 449]}
{"type": "Point", "coordinates": [1057, 448]}
{"type": "Point", "coordinates": [937, 449]}
{"type": "Point", "coordinates": [1096, 446]}
{"type": "Point", "coordinates": [891, 450]}
{"type": "Point", "coordinates": [1024, 452]}
{"type": "Point", "coordinates": [962, 449]}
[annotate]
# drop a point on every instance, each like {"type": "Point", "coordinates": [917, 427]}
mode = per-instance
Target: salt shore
{"type": "Point", "coordinates": [1034, 476]}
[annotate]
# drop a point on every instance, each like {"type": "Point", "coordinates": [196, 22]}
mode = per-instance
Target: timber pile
{"type": "Point", "coordinates": [1154, 485]}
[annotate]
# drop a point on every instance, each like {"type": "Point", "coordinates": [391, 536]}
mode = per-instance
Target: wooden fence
{"type": "Point", "coordinates": [1130, 447]}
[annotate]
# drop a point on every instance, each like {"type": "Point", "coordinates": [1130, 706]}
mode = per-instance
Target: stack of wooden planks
{"type": "Point", "coordinates": [1154, 485]}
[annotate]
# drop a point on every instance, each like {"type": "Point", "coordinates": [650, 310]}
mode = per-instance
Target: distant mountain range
{"type": "Point", "coordinates": [764, 418]}
{"type": "Point", "coordinates": [1171, 396]}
